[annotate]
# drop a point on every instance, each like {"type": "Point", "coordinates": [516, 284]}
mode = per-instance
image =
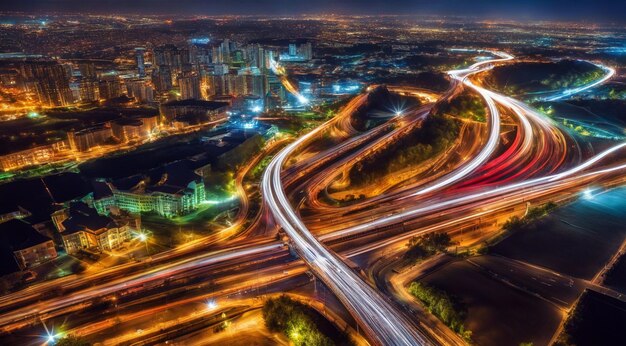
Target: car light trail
{"type": "Point", "coordinates": [383, 324]}
{"type": "Point", "coordinates": [537, 182]}
{"type": "Point", "coordinates": [281, 73]}
{"type": "Point", "coordinates": [494, 119]}
{"type": "Point", "coordinates": [610, 72]}
{"type": "Point", "coordinates": [139, 279]}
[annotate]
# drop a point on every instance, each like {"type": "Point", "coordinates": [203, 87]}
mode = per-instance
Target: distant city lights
{"type": "Point", "coordinates": [200, 40]}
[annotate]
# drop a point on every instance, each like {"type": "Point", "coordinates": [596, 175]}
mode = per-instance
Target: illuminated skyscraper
{"type": "Point", "coordinates": [190, 87]}
{"type": "Point", "coordinates": [178, 59]}
{"type": "Point", "coordinates": [88, 90]}
{"type": "Point", "coordinates": [109, 88]}
{"type": "Point", "coordinates": [50, 81]}
{"type": "Point", "coordinates": [306, 51]}
{"type": "Point", "coordinates": [140, 90]}
{"type": "Point", "coordinates": [139, 55]}
{"type": "Point", "coordinates": [162, 78]}
{"type": "Point", "coordinates": [225, 50]}
{"type": "Point", "coordinates": [88, 71]}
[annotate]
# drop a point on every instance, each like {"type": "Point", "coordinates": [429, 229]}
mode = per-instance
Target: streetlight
{"type": "Point", "coordinates": [52, 338]}
{"type": "Point", "coordinates": [211, 304]}
{"type": "Point", "coordinates": [143, 237]}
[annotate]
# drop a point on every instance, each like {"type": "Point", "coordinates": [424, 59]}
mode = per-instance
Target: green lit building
{"type": "Point", "coordinates": [174, 191]}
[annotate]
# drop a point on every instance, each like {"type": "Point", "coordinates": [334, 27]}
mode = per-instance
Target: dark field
{"type": "Point", "coordinates": [498, 314]}
{"type": "Point", "coordinates": [576, 240]}
{"type": "Point", "coordinates": [597, 320]}
{"type": "Point", "coordinates": [542, 77]}
{"type": "Point", "coordinates": [616, 277]}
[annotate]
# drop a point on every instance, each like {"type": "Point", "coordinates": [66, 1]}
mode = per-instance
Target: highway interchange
{"type": "Point", "coordinates": [485, 178]}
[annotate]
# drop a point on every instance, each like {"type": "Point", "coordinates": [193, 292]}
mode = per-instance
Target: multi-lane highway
{"type": "Point", "coordinates": [486, 178]}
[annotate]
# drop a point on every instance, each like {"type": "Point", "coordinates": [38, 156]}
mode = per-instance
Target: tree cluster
{"type": "Point", "coordinates": [436, 134]}
{"type": "Point", "coordinates": [466, 105]}
{"type": "Point", "coordinates": [535, 213]}
{"type": "Point", "coordinates": [293, 319]}
{"type": "Point", "coordinates": [427, 245]}
{"type": "Point", "coordinates": [443, 306]}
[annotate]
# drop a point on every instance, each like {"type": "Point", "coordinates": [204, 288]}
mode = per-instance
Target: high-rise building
{"type": "Point", "coordinates": [250, 82]}
{"type": "Point", "coordinates": [141, 90]}
{"type": "Point", "coordinates": [176, 58]}
{"type": "Point", "coordinates": [139, 56]}
{"type": "Point", "coordinates": [269, 57]}
{"type": "Point", "coordinates": [225, 50]}
{"type": "Point", "coordinates": [276, 94]}
{"type": "Point", "coordinates": [88, 90]}
{"type": "Point", "coordinates": [162, 78]}
{"type": "Point", "coordinates": [201, 55]}
{"type": "Point", "coordinates": [86, 139]}
{"type": "Point", "coordinates": [190, 87]}
{"type": "Point", "coordinates": [88, 71]}
{"type": "Point", "coordinates": [218, 85]}
{"type": "Point", "coordinates": [50, 81]}
{"type": "Point", "coordinates": [217, 55]}
{"type": "Point", "coordinates": [256, 56]}
{"type": "Point", "coordinates": [292, 49]}
{"type": "Point", "coordinates": [306, 51]}
{"type": "Point", "coordinates": [109, 88]}
{"type": "Point", "coordinates": [220, 69]}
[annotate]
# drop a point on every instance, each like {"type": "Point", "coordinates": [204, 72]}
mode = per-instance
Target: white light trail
{"type": "Point", "coordinates": [381, 321]}
{"type": "Point", "coordinates": [610, 72]}
{"type": "Point", "coordinates": [494, 128]}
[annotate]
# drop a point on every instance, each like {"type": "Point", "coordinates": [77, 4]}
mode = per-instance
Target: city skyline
{"type": "Point", "coordinates": [603, 10]}
{"type": "Point", "coordinates": [312, 179]}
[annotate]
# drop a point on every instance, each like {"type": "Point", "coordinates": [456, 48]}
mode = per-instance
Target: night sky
{"type": "Point", "coordinates": [610, 10]}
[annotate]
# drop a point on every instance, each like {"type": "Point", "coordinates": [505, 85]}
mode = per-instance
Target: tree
{"type": "Point", "coordinates": [427, 245]}
{"type": "Point", "coordinates": [440, 304]}
{"type": "Point", "coordinates": [71, 340]}
{"type": "Point", "coordinates": [293, 319]}
{"type": "Point", "coordinates": [512, 223]}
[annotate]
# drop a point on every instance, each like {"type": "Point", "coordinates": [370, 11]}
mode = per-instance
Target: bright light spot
{"type": "Point", "coordinates": [588, 194]}
{"type": "Point", "coordinates": [303, 99]}
{"type": "Point", "coordinates": [398, 113]}
{"type": "Point", "coordinates": [52, 338]}
{"type": "Point", "coordinates": [211, 304]}
{"type": "Point", "coordinates": [33, 114]}
{"type": "Point", "coordinates": [142, 236]}
{"type": "Point", "coordinates": [256, 109]}
{"type": "Point", "coordinates": [217, 201]}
